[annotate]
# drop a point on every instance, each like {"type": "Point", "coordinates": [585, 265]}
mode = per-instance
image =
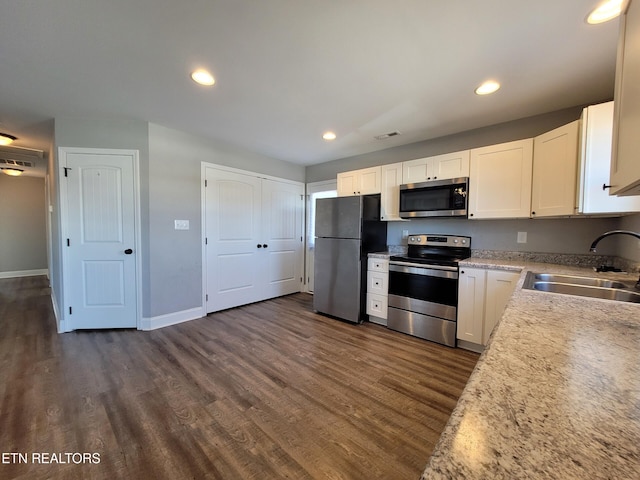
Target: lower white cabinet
{"type": "Point", "coordinates": [377, 290]}
{"type": "Point", "coordinates": [482, 296]}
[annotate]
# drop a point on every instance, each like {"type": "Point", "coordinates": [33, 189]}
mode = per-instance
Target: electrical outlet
{"type": "Point", "coordinates": [405, 233]}
{"type": "Point", "coordinates": [181, 224]}
{"type": "Point", "coordinates": [522, 237]}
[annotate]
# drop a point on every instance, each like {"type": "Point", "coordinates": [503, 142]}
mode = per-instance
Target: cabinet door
{"type": "Point", "coordinates": [348, 184]}
{"type": "Point", "coordinates": [471, 292]}
{"type": "Point", "coordinates": [370, 180]}
{"type": "Point", "coordinates": [595, 165]}
{"type": "Point", "coordinates": [282, 245]}
{"type": "Point", "coordinates": [416, 171]}
{"type": "Point", "coordinates": [390, 195]}
{"type": "Point", "coordinates": [555, 165]}
{"type": "Point", "coordinates": [500, 180]}
{"type": "Point", "coordinates": [625, 167]}
{"type": "Point", "coordinates": [450, 165]}
{"type": "Point", "coordinates": [500, 287]}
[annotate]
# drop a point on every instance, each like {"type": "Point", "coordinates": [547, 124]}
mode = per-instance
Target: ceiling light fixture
{"type": "Point", "coordinates": [6, 139]}
{"type": "Point", "coordinates": [14, 172]}
{"type": "Point", "coordinates": [329, 136]}
{"type": "Point", "coordinates": [487, 87]}
{"type": "Point", "coordinates": [605, 11]}
{"type": "Point", "coordinates": [203, 77]}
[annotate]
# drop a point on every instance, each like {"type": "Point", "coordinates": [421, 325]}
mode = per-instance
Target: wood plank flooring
{"type": "Point", "coordinates": [266, 391]}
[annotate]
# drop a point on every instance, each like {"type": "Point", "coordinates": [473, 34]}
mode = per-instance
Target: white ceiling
{"type": "Point", "coordinates": [287, 70]}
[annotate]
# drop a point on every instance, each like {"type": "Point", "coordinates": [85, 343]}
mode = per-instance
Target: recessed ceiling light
{"type": "Point", "coordinates": [605, 11]}
{"type": "Point", "coordinates": [14, 172]}
{"type": "Point", "coordinates": [6, 139]}
{"type": "Point", "coordinates": [203, 77]}
{"type": "Point", "coordinates": [487, 87]}
{"type": "Point", "coordinates": [329, 136]}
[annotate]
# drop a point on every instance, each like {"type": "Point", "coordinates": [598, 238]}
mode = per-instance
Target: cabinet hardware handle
{"type": "Point", "coordinates": [533, 213]}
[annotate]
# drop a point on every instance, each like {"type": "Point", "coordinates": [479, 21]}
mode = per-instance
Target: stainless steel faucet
{"type": "Point", "coordinates": [612, 232]}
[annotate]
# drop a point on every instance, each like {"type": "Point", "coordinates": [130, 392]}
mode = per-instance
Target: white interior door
{"type": "Point", "coordinates": [232, 225]}
{"type": "Point", "coordinates": [100, 248]}
{"type": "Point", "coordinates": [328, 189]}
{"type": "Point", "coordinates": [282, 237]}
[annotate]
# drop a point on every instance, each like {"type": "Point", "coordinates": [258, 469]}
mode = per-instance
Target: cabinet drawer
{"type": "Point", "coordinates": [378, 283]}
{"type": "Point", "coordinates": [378, 264]}
{"type": "Point", "coordinates": [376, 305]}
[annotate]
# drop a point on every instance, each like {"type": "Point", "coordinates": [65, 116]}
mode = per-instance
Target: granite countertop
{"type": "Point", "coordinates": [556, 393]}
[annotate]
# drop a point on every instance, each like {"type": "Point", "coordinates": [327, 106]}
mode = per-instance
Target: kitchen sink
{"type": "Point", "coordinates": [574, 280]}
{"type": "Point", "coordinates": [581, 286]}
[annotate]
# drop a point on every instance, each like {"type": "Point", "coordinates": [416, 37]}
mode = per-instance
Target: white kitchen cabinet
{"type": "Point", "coordinates": [360, 182]}
{"type": "Point", "coordinates": [625, 165]}
{"type": "Point", "coordinates": [555, 166]}
{"type": "Point", "coordinates": [390, 194]}
{"type": "Point", "coordinates": [482, 297]}
{"type": "Point", "coordinates": [439, 167]}
{"type": "Point", "coordinates": [377, 290]}
{"type": "Point", "coordinates": [500, 180]}
{"type": "Point", "coordinates": [500, 286]}
{"type": "Point", "coordinates": [471, 291]}
{"type": "Point", "coordinates": [595, 165]}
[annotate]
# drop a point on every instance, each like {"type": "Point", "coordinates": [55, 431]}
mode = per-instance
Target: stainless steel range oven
{"type": "Point", "coordinates": [423, 287]}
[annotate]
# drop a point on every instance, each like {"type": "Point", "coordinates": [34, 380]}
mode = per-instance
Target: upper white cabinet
{"type": "Point", "coordinates": [440, 167]}
{"type": "Point", "coordinates": [390, 194]}
{"type": "Point", "coordinates": [500, 180]}
{"type": "Point", "coordinates": [595, 163]}
{"type": "Point", "coordinates": [625, 164]}
{"type": "Point", "coordinates": [555, 162]}
{"type": "Point", "coordinates": [359, 182]}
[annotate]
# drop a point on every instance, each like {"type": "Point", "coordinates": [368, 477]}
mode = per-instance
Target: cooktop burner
{"type": "Point", "coordinates": [431, 249]}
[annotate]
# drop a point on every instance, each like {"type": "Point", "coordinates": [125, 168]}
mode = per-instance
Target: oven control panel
{"type": "Point", "coordinates": [439, 240]}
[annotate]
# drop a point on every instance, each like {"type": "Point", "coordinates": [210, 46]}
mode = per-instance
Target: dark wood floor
{"type": "Point", "coordinates": [266, 391]}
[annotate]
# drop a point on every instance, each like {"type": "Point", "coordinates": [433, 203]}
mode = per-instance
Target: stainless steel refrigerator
{"type": "Point", "coordinates": [347, 230]}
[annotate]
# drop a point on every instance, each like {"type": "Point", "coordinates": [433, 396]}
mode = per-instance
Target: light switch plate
{"type": "Point", "coordinates": [181, 224]}
{"type": "Point", "coordinates": [522, 237]}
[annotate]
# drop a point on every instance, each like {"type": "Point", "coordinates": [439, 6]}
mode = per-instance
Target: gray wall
{"type": "Point", "coordinates": [503, 132]}
{"type": "Point", "coordinates": [573, 235]}
{"type": "Point", "coordinates": [169, 190]}
{"type": "Point", "coordinates": [23, 233]}
{"type": "Point", "coordinates": [175, 263]}
{"type": "Point", "coordinates": [629, 247]}
{"type": "Point", "coordinates": [562, 235]}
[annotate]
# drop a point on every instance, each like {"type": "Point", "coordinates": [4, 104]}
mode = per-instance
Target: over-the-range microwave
{"type": "Point", "coordinates": [438, 198]}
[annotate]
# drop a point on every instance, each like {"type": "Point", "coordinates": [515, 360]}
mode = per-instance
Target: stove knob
{"type": "Point", "coordinates": [418, 239]}
{"type": "Point", "coordinates": [412, 239]}
{"type": "Point", "coordinates": [455, 240]}
{"type": "Point", "coordinates": [464, 241]}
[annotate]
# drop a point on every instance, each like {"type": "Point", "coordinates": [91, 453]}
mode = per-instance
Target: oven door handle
{"type": "Point", "coordinates": [440, 271]}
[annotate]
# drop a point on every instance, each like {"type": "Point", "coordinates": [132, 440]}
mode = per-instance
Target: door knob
{"type": "Point", "coordinates": [259, 246]}
{"type": "Point", "coordinates": [264, 245]}
{"type": "Point", "coordinates": [128, 251]}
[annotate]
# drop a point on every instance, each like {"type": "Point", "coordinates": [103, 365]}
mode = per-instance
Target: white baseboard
{"type": "Point", "coordinates": [152, 323]}
{"type": "Point", "coordinates": [24, 273]}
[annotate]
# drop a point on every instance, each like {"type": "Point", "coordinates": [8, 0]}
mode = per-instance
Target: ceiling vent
{"type": "Point", "coordinates": [387, 135]}
{"type": "Point", "coordinates": [28, 156]}
{"type": "Point", "coordinates": [15, 163]}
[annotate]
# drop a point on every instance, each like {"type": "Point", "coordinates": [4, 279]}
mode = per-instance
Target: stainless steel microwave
{"type": "Point", "coordinates": [438, 198]}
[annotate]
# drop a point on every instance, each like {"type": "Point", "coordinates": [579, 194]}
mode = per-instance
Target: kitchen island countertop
{"type": "Point", "coordinates": [556, 393]}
